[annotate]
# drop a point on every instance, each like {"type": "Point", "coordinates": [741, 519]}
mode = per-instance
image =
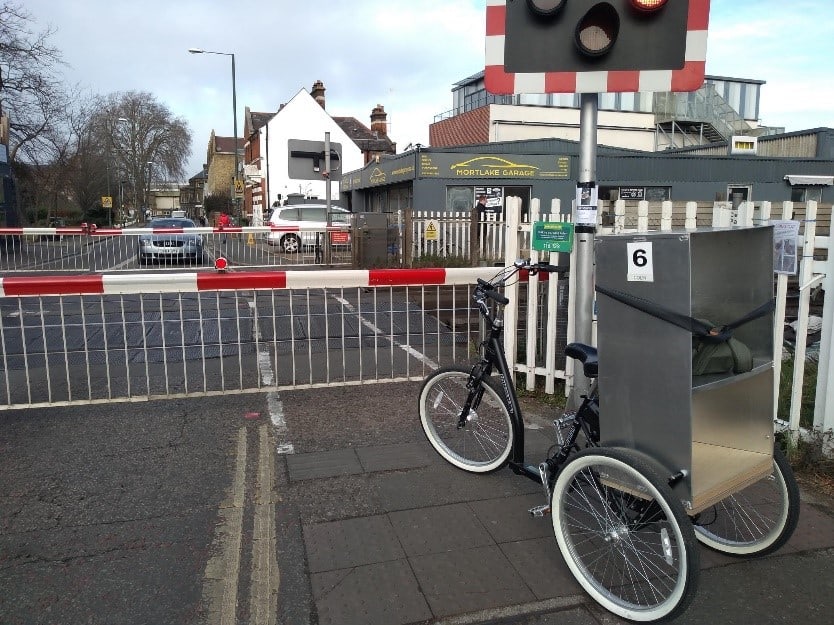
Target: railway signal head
{"type": "Point", "coordinates": [575, 46]}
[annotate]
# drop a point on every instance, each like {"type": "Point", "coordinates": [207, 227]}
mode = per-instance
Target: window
{"type": "Point", "coordinates": [538, 99]}
{"type": "Point", "coordinates": [658, 194]}
{"type": "Point", "coordinates": [627, 101]}
{"type": "Point", "coordinates": [751, 102]}
{"type": "Point", "coordinates": [738, 194]}
{"type": "Point", "coordinates": [313, 213]}
{"type": "Point", "coordinates": [569, 100]}
{"type": "Point", "coordinates": [608, 101]}
{"type": "Point", "coordinates": [460, 198]}
{"type": "Point", "coordinates": [806, 194]}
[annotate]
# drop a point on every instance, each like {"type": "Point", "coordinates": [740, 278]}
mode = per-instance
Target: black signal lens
{"type": "Point", "coordinates": [545, 8]}
{"type": "Point", "coordinates": [597, 31]}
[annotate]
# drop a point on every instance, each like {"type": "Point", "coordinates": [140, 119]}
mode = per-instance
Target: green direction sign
{"type": "Point", "coordinates": [552, 236]}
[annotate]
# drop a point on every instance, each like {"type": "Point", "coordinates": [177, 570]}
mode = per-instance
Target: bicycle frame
{"type": "Point", "coordinates": [494, 358]}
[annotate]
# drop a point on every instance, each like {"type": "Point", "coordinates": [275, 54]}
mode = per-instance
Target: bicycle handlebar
{"type": "Point", "coordinates": [496, 296]}
{"type": "Point", "coordinates": [489, 289]}
{"type": "Point", "coordinates": [549, 268]}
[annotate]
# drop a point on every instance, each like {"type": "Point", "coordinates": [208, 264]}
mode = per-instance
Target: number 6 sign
{"type": "Point", "coordinates": [640, 267]}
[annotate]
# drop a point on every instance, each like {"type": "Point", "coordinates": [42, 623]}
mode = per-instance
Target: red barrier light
{"type": "Point", "coordinates": [220, 263]}
{"type": "Point", "coordinates": [647, 5]}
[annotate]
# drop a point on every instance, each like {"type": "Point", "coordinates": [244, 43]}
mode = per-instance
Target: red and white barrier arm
{"type": "Point", "coordinates": [93, 230]}
{"type": "Point", "coordinates": [192, 282]}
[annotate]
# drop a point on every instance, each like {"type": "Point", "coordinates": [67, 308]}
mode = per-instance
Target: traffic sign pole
{"type": "Point", "coordinates": [617, 46]}
{"type": "Point", "coordinates": [585, 216]}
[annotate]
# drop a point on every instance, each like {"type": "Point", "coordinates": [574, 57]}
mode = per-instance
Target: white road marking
{"type": "Point", "coordinates": [406, 348]}
{"type": "Point", "coordinates": [274, 405]}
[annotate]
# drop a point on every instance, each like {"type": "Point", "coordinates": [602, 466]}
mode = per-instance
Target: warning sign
{"type": "Point", "coordinates": [238, 186]}
{"type": "Point", "coordinates": [106, 201]}
{"type": "Point", "coordinates": [432, 231]}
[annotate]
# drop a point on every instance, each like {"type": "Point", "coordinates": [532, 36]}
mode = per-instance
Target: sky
{"type": "Point", "coordinates": [405, 55]}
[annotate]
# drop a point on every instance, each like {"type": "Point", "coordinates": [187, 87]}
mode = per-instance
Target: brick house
{"type": "Point", "coordinates": [220, 164]}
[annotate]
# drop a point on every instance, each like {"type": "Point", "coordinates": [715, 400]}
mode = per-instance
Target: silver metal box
{"type": "Point", "coordinates": [719, 428]}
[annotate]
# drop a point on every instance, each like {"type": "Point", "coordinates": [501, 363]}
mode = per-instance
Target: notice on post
{"type": "Point", "coordinates": [785, 238]}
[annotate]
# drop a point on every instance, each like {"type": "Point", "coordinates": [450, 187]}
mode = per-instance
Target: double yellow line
{"type": "Point", "coordinates": [220, 584]}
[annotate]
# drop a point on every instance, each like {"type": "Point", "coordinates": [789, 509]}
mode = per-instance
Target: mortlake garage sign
{"type": "Point", "coordinates": [456, 165]}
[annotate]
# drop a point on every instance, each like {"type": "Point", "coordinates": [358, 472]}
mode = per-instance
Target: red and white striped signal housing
{"type": "Point", "coordinates": [581, 46]}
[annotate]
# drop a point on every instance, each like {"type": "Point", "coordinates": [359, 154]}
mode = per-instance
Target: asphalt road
{"type": "Point", "coordinates": [107, 513]}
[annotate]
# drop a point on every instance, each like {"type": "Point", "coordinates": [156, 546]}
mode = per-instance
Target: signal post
{"type": "Point", "coordinates": [577, 46]}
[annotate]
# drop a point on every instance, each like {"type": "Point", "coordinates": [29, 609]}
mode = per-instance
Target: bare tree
{"type": "Point", "coordinates": [69, 151]}
{"type": "Point", "coordinates": [142, 139]}
{"type": "Point", "coordinates": [31, 94]}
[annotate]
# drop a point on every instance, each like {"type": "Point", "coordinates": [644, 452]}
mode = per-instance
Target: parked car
{"type": "Point", "coordinates": [304, 216]}
{"type": "Point", "coordinates": [170, 246]}
{"type": "Point", "coordinates": [54, 222]}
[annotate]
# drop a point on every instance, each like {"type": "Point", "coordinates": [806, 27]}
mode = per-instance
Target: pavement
{"type": "Point", "coordinates": [374, 528]}
{"type": "Point", "coordinates": [179, 512]}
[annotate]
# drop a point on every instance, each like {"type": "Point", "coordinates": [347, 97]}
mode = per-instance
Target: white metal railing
{"type": "Point", "coordinates": [129, 336]}
{"type": "Point", "coordinates": [133, 337]}
{"type": "Point", "coordinates": [91, 249]}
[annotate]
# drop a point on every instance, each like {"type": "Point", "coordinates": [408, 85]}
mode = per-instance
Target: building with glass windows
{"type": "Point", "coordinates": [720, 109]}
{"type": "Point", "coordinates": [707, 145]}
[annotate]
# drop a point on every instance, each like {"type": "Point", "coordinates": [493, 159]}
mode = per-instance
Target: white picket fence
{"type": "Point", "coordinates": [814, 270]}
{"type": "Point", "coordinates": [449, 234]}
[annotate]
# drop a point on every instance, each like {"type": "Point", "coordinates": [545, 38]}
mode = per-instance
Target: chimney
{"type": "Point", "coordinates": [318, 92]}
{"type": "Point", "coordinates": [379, 120]}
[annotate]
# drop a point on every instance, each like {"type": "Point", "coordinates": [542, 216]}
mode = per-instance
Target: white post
{"type": "Point", "coordinates": [642, 216]}
{"type": "Point", "coordinates": [691, 216]}
{"type": "Point", "coordinates": [745, 214]}
{"type": "Point", "coordinates": [553, 311]}
{"type": "Point", "coordinates": [824, 404]}
{"type": "Point", "coordinates": [806, 271]}
{"type": "Point", "coordinates": [511, 291]}
{"type": "Point", "coordinates": [666, 215]}
{"type": "Point", "coordinates": [532, 304]}
{"type": "Point", "coordinates": [619, 216]}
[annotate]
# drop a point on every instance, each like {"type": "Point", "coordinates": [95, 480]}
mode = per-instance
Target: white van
{"type": "Point", "coordinates": [303, 216]}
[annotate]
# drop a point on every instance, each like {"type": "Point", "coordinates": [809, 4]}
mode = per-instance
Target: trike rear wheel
{"type": "Point", "coordinates": [756, 520]}
{"type": "Point", "coordinates": [479, 442]}
{"type": "Point", "coordinates": [624, 534]}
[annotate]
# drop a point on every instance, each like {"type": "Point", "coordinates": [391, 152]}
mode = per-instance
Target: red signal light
{"type": "Point", "coordinates": [647, 5]}
{"type": "Point", "coordinates": [220, 264]}
{"type": "Point", "coordinates": [597, 31]}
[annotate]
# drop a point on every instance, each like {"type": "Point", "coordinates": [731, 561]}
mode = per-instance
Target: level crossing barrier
{"type": "Point", "coordinates": [99, 338]}
{"type": "Point", "coordinates": [88, 248]}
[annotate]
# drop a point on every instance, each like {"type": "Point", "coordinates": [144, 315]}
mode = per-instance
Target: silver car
{"type": "Point", "coordinates": [176, 245]}
{"type": "Point", "coordinates": [308, 217]}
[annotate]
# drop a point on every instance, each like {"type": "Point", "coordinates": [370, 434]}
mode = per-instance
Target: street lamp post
{"type": "Point", "coordinates": [234, 116]}
{"type": "Point", "coordinates": [125, 120]}
{"type": "Point", "coordinates": [148, 194]}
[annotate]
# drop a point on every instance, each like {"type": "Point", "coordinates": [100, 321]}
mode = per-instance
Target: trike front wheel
{"type": "Point", "coordinates": [470, 427]}
{"type": "Point", "coordinates": [624, 534]}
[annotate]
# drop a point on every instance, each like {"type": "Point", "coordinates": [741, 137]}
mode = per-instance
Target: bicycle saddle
{"type": "Point", "coordinates": [585, 354]}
